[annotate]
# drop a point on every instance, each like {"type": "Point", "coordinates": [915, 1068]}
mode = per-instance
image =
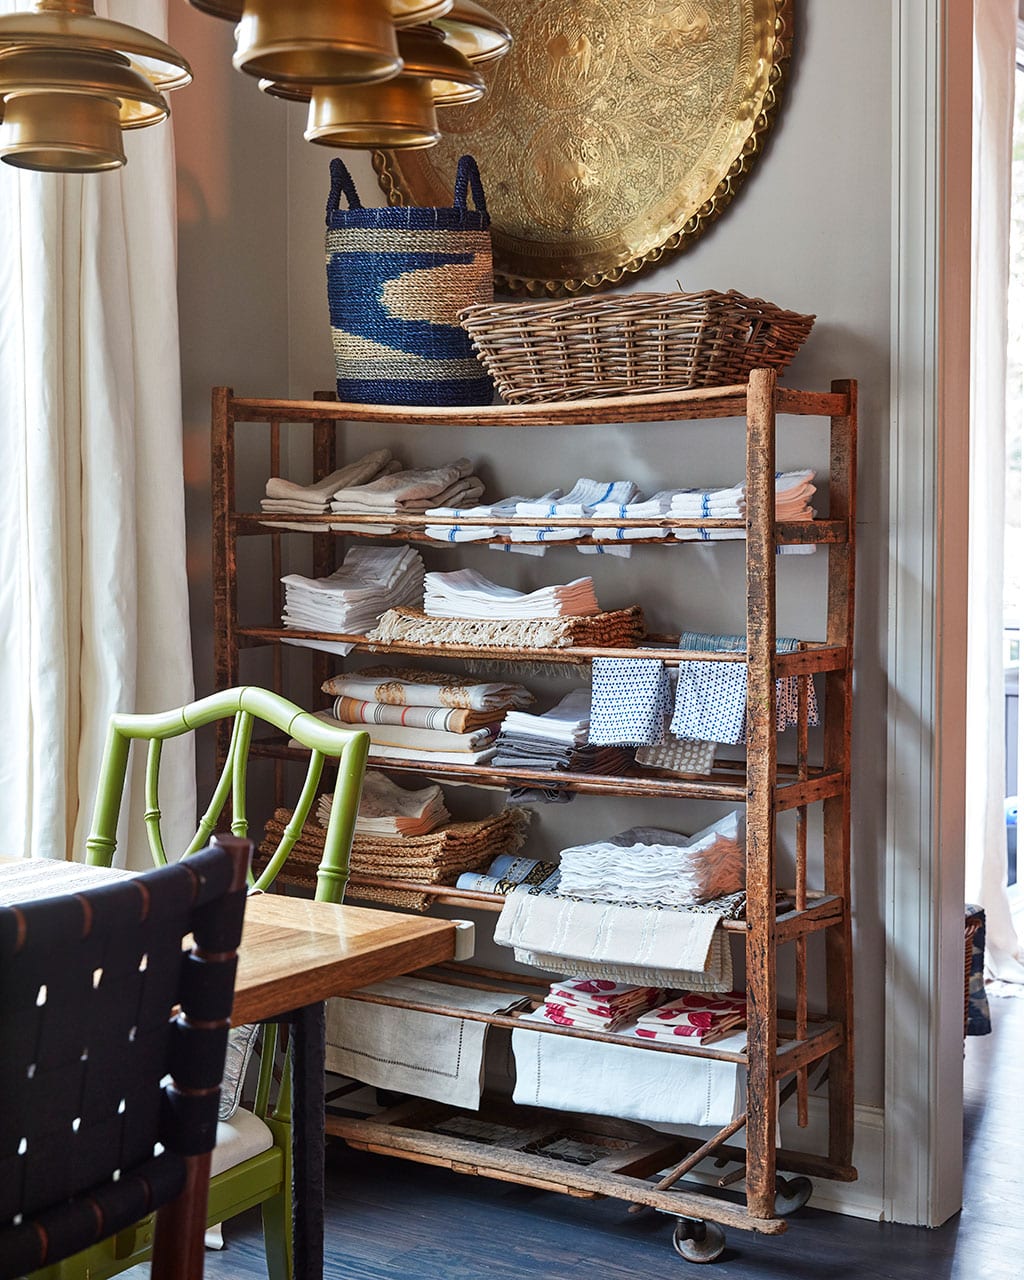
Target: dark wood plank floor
{"type": "Point", "coordinates": [389, 1220]}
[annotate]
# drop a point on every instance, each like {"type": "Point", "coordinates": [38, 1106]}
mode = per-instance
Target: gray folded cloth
{"type": "Point", "coordinates": [393, 492]}
{"type": "Point", "coordinates": [515, 751]}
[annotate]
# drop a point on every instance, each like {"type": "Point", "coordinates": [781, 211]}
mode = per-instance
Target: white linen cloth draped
{"type": "Point", "coordinates": [93, 597]}
{"type": "Point", "coordinates": [995, 43]}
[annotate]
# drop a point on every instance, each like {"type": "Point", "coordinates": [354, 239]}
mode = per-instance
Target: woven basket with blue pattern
{"type": "Point", "coordinates": [396, 281]}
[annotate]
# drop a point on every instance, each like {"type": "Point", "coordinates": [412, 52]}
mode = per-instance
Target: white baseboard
{"type": "Point", "coordinates": [860, 1199]}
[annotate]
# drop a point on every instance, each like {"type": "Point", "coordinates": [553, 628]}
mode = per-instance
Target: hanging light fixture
{"type": "Point", "coordinates": [477, 34]}
{"type": "Point", "coordinates": [372, 71]}
{"type": "Point", "coordinates": [71, 82]}
{"type": "Point", "coordinates": [404, 13]}
{"type": "Point", "coordinates": [400, 113]}
{"type": "Point", "coordinates": [317, 41]}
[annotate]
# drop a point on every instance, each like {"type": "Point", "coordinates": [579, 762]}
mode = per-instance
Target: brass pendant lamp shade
{"type": "Point", "coordinates": [404, 13]}
{"type": "Point", "coordinates": [71, 82]}
{"type": "Point", "coordinates": [397, 114]}
{"type": "Point", "coordinates": [317, 41]}
{"type": "Point", "coordinates": [400, 113]}
{"type": "Point", "coordinates": [372, 71]}
{"type": "Point", "coordinates": [477, 34]}
{"type": "Point", "coordinates": [410, 13]}
{"type": "Point", "coordinates": [64, 110]}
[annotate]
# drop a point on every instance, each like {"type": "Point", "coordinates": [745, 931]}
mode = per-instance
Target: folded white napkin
{"type": "Point", "coordinates": [566, 722]}
{"type": "Point", "coordinates": [584, 494]}
{"type": "Point", "coordinates": [468, 594]}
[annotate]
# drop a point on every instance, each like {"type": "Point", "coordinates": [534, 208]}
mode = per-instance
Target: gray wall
{"type": "Point", "coordinates": [810, 230]}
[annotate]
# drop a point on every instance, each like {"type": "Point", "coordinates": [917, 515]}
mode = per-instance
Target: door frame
{"type": "Point", "coordinates": [931, 247]}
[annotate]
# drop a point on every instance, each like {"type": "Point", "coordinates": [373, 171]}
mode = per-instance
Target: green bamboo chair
{"type": "Point", "coordinates": [264, 1179]}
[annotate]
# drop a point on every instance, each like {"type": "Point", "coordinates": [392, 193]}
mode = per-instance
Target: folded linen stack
{"type": "Point", "coordinates": [640, 508]}
{"type": "Point", "coordinates": [793, 492]}
{"type": "Point", "coordinates": [414, 743]}
{"type": "Point", "coordinates": [581, 500]}
{"type": "Point", "coordinates": [649, 866]}
{"type": "Point", "coordinates": [410, 687]}
{"type": "Point", "coordinates": [649, 945]}
{"type": "Point", "coordinates": [449, 529]}
{"type": "Point", "coordinates": [468, 594]}
{"type": "Point", "coordinates": [409, 492]}
{"type": "Point", "coordinates": [389, 811]}
{"type": "Point", "coordinates": [506, 872]}
{"type": "Point", "coordinates": [620, 629]}
{"type": "Point", "coordinates": [370, 581]}
{"type": "Point", "coordinates": [565, 724]}
{"type": "Point", "coordinates": [597, 1004]}
{"type": "Point", "coordinates": [436, 858]}
{"type": "Point", "coordinates": [287, 497]}
{"type": "Point", "coordinates": [395, 742]}
{"type": "Point", "coordinates": [554, 742]}
{"type": "Point", "coordinates": [441, 719]}
{"type": "Point", "coordinates": [693, 1015]}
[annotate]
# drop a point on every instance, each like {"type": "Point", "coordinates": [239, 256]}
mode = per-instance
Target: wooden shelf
{"type": "Point", "coordinates": [663, 407]}
{"type": "Point", "coordinates": [824, 912]}
{"type": "Point", "coordinates": [806, 661]}
{"type": "Point", "coordinates": [779, 1044]}
{"type": "Point", "coordinates": [724, 784]}
{"type": "Point", "coordinates": [521, 1150]}
{"type": "Point", "coordinates": [410, 528]}
{"type": "Point", "coordinates": [821, 1035]}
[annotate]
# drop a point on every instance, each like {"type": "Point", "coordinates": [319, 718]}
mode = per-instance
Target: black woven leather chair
{"type": "Point", "coordinates": [92, 1136]}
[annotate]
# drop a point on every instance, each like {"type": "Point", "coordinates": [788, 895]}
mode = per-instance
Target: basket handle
{"type": "Point", "coordinates": [341, 181]}
{"type": "Point", "coordinates": [468, 176]}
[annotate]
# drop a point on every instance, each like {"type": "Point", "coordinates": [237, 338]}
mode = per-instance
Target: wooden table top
{"type": "Point", "coordinates": [294, 952]}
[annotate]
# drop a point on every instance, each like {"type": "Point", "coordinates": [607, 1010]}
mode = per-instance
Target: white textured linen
{"type": "Point", "coordinates": [584, 494]}
{"type": "Point", "coordinates": [589, 930]}
{"type": "Point", "coordinates": [468, 594]}
{"type": "Point", "coordinates": [426, 1054]}
{"type": "Point", "coordinates": [716, 976]}
{"type": "Point", "coordinates": [93, 597]}
{"type": "Point", "coordinates": [351, 599]}
{"type": "Point", "coordinates": [567, 1073]}
{"type": "Point", "coordinates": [658, 867]}
{"type": "Point", "coordinates": [566, 722]}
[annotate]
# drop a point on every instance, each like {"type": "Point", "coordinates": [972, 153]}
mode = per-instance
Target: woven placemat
{"type": "Point", "coordinates": [622, 628]}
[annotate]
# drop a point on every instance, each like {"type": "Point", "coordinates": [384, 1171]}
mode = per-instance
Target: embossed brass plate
{"type": "Point", "coordinates": [612, 133]}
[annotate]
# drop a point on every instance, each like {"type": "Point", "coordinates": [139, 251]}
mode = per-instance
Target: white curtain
{"type": "Point", "coordinates": [995, 43]}
{"type": "Point", "coordinates": [93, 593]}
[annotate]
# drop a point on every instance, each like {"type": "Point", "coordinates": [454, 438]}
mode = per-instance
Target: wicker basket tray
{"type": "Point", "coordinates": [642, 342]}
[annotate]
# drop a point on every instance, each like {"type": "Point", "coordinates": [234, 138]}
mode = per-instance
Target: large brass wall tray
{"type": "Point", "coordinates": [612, 133]}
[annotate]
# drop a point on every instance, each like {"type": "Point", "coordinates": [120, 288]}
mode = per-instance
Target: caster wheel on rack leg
{"type": "Point", "coordinates": [791, 1194]}
{"type": "Point", "coordinates": [698, 1241]}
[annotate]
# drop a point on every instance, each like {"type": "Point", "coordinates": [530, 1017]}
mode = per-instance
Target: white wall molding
{"type": "Point", "coordinates": [927, 608]}
{"type": "Point", "coordinates": [864, 1198]}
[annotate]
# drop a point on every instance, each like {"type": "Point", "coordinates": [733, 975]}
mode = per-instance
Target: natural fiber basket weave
{"type": "Point", "coordinates": [641, 342]}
